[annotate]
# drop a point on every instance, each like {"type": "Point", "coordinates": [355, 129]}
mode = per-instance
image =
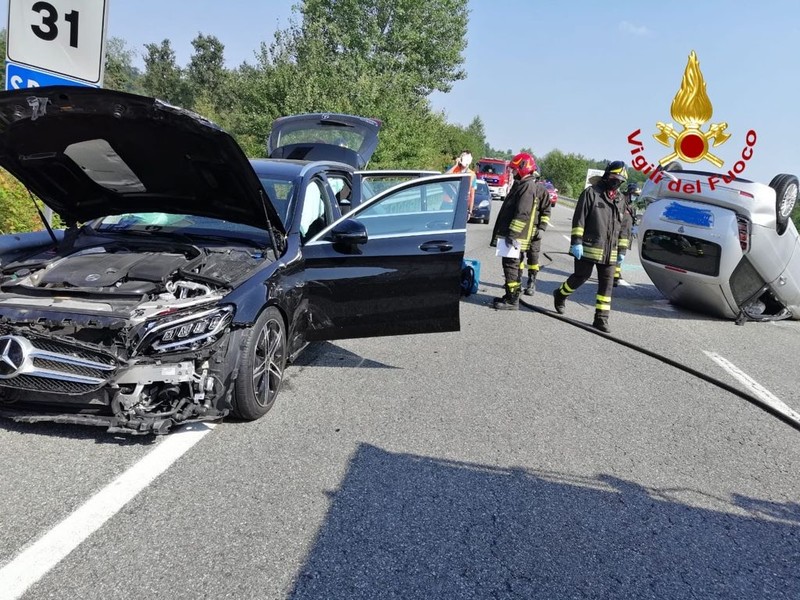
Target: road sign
{"type": "Point", "coordinates": [19, 77]}
{"type": "Point", "coordinates": [64, 37]}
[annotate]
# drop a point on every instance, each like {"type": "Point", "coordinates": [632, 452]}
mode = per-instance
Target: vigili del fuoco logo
{"type": "Point", "coordinates": [692, 109]}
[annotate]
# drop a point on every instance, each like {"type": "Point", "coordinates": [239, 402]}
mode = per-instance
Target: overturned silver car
{"type": "Point", "coordinates": [727, 247]}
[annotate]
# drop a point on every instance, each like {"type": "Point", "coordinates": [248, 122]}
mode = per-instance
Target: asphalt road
{"type": "Point", "coordinates": [522, 457]}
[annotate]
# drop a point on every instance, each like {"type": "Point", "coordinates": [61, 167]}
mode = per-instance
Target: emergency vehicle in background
{"type": "Point", "coordinates": [497, 175]}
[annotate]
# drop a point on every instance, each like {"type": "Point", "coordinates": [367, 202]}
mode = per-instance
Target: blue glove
{"type": "Point", "coordinates": [576, 250]}
{"type": "Point", "coordinates": [620, 258]}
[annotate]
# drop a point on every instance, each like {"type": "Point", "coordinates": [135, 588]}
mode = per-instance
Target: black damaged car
{"type": "Point", "coordinates": [187, 276]}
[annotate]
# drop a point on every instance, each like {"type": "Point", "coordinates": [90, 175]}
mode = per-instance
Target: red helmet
{"type": "Point", "coordinates": [524, 164]}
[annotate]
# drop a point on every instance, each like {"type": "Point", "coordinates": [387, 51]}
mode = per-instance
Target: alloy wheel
{"type": "Point", "coordinates": [268, 361]}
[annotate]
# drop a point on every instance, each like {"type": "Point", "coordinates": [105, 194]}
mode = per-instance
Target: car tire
{"type": "Point", "coordinates": [263, 361]}
{"type": "Point", "coordinates": [786, 190]}
{"type": "Point", "coordinates": [486, 221]}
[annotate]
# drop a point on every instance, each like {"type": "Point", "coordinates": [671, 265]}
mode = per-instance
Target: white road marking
{"type": "Point", "coordinates": [37, 559]}
{"type": "Point", "coordinates": [566, 237]}
{"type": "Point", "coordinates": [624, 283]}
{"type": "Point", "coordinates": [753, 386]}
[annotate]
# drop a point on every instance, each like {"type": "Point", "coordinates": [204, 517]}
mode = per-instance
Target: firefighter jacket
{"type": "Point", "coordinates": [543, 215]}
{"type": "Point", "coordinates": [518, 214]}
{"type": "Point", "coordinates": [597, 224]}
{"type": "Point", "coordinates": [624, 243]}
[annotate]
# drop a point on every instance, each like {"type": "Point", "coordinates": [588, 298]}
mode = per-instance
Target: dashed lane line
{"type": "Point", "coordinates": [754, 387]}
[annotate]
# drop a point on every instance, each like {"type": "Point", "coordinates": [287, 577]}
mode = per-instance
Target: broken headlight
{"type": "Point", "coordinates": [187, 332]}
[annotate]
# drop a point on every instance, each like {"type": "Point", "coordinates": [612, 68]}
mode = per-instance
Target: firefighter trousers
{"type": "Point", "coordinates": [605, 283]}
{"type": "Point", "coordinates": [511, 272]}
{"type": "Point", "coordinates": [532, 257]}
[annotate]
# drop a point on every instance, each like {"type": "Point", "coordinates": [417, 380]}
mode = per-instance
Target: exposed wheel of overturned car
{"type": "Point", "coordinates": [263, 362]}
{"type": "Point", "coordinates": [786, 190]}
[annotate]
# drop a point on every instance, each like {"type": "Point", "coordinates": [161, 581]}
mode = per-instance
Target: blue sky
{"type": "Point", "coordinates": [576, 75]}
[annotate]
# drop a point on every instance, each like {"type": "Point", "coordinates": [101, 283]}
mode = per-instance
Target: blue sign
{"type": "Point", "coordinates": [19, 77]}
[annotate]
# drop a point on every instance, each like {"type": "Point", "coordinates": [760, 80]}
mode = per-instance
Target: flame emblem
{"type": "Point", "coordinates": [692, 108]}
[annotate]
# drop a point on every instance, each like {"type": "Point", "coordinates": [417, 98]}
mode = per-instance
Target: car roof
{"type": "Point", "coordinates": [289, 169]}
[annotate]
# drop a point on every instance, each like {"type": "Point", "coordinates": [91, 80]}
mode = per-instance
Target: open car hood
{"type": "Point", "coordinates": [90, 153]}
{"type": "Point", "coordinates": [324, 136]}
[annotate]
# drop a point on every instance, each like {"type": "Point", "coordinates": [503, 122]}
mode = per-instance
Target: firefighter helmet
{"type": "Point", "coordinates": [524, 164]}
{"type": "Point", "coordinates": [616, 170]}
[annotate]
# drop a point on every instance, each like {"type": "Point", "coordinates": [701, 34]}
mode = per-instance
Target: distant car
{"type": "Point", "coordinates": [189, 276]}
{"type": "Point", "coordinates": [732, 251]}
{"type": "Point", "coordinates": [482, 208]}
{"type": "Point", "coordinates": [551, 189]}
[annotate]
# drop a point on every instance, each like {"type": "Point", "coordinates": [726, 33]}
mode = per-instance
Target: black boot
{"type": "Point", "coordinates": [559, 302]}
{"type": "Point", "coordinates": [530, 287]}
{"type": "Point", "coordinates": [601, 323]}
{"type": "Point", "coordinates": [508, 302]}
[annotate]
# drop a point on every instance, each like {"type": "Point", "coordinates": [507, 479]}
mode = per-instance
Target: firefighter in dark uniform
{"type": "Point", "coordinates": [596, 227]}
{"type": "Point", "coordinates": [631, 190]}
{"type": "Point", "coordinates": [532, 254]}
{"type": "Point", "coordinates": [516, 224]}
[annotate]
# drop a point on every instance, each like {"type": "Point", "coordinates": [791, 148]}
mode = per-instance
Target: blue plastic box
{"type": "Point", "coordinates": [476, 266]}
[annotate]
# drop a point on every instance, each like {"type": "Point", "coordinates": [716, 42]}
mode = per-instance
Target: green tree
{"type": "Point", "coordinates": [120, 72]}
{"type": "Point", "coordinates": [421, 43]}
{"type": "Point", "coordinates": [566, 171]}
{"type": "Point", "coordinates": [206, 71]}
{"type": "Point", "coordinates": [162, 77]}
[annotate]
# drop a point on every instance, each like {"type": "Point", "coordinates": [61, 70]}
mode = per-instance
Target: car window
{"type": "Point", "coordinates": [420, 208]}
{"type": "Point", "coordinates": [279, 191]}
{"type": "Point", "coordinates": [316, 213]}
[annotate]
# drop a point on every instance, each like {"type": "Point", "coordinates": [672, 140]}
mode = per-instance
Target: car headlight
{"type": "Point", "coordinates": [183, 332]}
{"type": "Point", "coordinates": [483, 204]}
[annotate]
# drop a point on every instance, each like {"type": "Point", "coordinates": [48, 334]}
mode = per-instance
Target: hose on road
{"type": "Point", "coordinates": [756, 401]}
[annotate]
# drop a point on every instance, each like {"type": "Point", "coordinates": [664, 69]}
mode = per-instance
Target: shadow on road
{"type": "Point", "coordinates": [406, 526]}
{"type": "Point", "coordinates": [326, 354]}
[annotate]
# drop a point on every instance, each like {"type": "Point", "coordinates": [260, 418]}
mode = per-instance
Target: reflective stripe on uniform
{"type": "Point", "coordinates": [577, 231]}
{"type": "Point", "coordinates": [545, 220]}
{"type": "Point", "coordinates": [595, 253]}
{"type": "Point", "coordinates": [618, 272]}
{"type": "Point", "coordinates": [565, 289]}
{"type": "Point", "coordinates": [533, 267]}
{"type": "Point", "coordinates": [603, 302]}
{"type": "Point", "coordinates": [516, 225]}
{"type": "Point", "coordinates": [513, 285]}
{"type": "Point", "coordinates": [623, 244]}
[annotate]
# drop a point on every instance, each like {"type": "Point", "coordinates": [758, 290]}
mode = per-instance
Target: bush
{"type": "Point", "coordinates": [17, 212]}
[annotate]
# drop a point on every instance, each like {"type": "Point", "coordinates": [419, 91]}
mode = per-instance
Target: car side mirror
{"type": "Point", "coordinates": [349, 232]}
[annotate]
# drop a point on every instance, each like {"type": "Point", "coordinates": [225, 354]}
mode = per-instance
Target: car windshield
{"type": "Point", "coordinates": [189, 225]}
{"type": "Point", "coordinates": [483, 187]}
{"type": "Point", "coordinates": [280, 192]}
{"type": "Point", "coordinates": [491, 168]}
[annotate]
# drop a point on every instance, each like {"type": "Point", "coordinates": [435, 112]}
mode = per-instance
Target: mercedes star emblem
{"type": "Point", "coordinates": [12, 356]}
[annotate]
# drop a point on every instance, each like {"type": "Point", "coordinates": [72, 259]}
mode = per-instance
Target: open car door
{"type": "Point", "coordinates": [391, 266]}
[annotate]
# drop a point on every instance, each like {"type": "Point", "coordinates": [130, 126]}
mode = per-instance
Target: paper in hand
{"type": "Point", "coordinates": [506, 251]}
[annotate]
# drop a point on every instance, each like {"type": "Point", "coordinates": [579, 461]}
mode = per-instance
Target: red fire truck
{"type": "Point", "coordinates": [496, 174]}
